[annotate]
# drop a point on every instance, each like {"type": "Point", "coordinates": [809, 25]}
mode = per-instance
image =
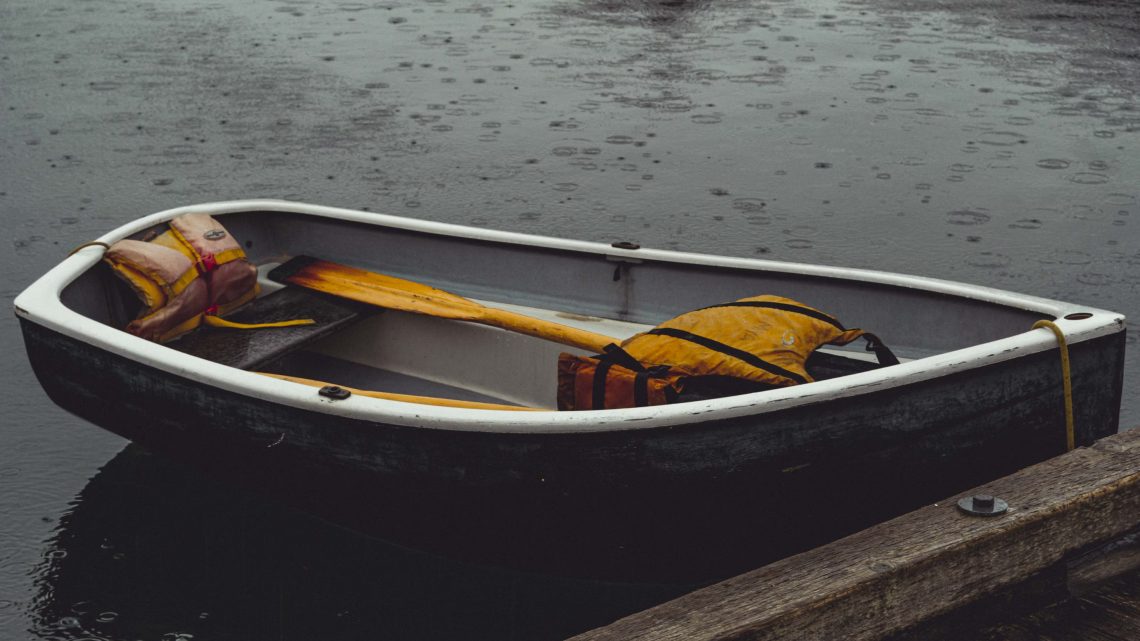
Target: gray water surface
{"type": "Point", "coordinates": [994, 145]}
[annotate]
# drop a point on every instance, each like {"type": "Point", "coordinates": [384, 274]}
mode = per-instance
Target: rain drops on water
{"type": "Point", "coordinates": [988, 260]}
{"type": "Point", "coordinates": [1088, 178]}
{"type": "Point", "coordinates": [967, 217]}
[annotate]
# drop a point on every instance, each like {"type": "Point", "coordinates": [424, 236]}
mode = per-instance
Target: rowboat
{"type": "Point", "coordinates": [979, 390]}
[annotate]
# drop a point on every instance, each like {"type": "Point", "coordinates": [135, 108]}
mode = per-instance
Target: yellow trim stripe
{"type": "Point", "coordinates": [410, 398]}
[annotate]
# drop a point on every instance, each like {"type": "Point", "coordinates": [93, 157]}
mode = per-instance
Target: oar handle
{"type": "Point", "coordinates": [541, 328]}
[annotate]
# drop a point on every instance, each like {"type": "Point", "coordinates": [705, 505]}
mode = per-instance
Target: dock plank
{"type": "Point", "coordinates": [1110, 613]}
{"type": "Point", "coordinates": [893, 576]}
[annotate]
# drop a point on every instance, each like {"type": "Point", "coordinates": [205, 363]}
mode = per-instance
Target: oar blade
{"type": "Point", "coordinates": [375, 289]}
{"type": "Point", "coordinates": [405, 295]}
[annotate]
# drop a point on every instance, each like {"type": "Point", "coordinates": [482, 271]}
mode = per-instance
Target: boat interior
{"type": "Point", "coordinates": [619, 294]}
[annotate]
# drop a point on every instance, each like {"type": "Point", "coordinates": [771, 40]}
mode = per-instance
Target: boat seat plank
{"type": "Point", "coordinates": [253, 348]}
{"type": "Point", "coordinates": [305, 364]}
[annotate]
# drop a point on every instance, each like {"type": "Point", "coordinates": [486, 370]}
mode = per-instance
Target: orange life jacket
{"type": "Point", "coordinates": [748, 345]}
{"type": "Point", "coordinates": [190, 274]}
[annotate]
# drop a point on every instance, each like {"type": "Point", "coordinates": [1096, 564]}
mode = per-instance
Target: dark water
{"type": "Point", "coordinates": [955, 139]}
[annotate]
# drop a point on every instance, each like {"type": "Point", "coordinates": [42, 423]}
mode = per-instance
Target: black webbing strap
{"type": "Point", "coordinates": [882, 352]}
{"type": "Point", "coordinates": [615, 355]}
{"type": "Point", "coordinates": [728, 350]}
{"type": "Point", "coordinates": [784, 307]}
{"type": "Point", "coordinates": [641, 389]}
{"type": "Point", "coordinates": [598, 400]}
{"type": "Point", "coordinates": [874, 343]}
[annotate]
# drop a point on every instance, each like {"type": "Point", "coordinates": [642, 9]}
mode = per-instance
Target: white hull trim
{"type": "Point", "coordinates": [40, 303]}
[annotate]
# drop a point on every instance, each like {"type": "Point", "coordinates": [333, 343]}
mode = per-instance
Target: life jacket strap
{"type": "Point", "coordinates": [784, 307]}
{"type": "Point", "coordinates": [612, 355]}
{"type": "Point", "coordinates": [598, 394]}
{"type": "Point", "coordinates": [615, 354]}
{"type": "Point", "coordinates": [728, 350]}
{"type": "Point", "coordinates": [882, 352]}
{"type": "Point", "coordinates": [218, 321]}
{"type": "Point", "coordinates": [641, 388]}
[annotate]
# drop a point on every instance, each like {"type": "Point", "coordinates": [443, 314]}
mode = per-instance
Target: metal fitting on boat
{"type": "Point", "coordinates": [983, 505]}
{"type": "Point", "coordinates": [334, 392]}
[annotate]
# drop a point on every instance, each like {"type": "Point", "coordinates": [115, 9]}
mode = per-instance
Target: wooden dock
{"type": "Point", "coordinates": [1061, 563]}
{"type": "Point", "coordinates": [1111, 613]}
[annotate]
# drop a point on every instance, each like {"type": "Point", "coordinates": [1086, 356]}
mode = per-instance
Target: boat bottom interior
{"type": "Point", "coordinates": [367, 348]}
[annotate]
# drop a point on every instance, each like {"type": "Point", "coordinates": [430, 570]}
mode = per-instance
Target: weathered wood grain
{"type": "Point", "coordinates": [1109, 613]}
{"type": "Point", "coordinates": [926, 563]}
{"type": "Point", "coordinates": [1088, 572]}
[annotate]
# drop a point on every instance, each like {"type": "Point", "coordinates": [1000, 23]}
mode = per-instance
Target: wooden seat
{"type": "Point", "coordinates": [254, 348]}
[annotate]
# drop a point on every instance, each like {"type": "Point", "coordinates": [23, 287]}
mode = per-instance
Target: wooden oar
{"type": "Point", "coordinates": [409, 296]}
{"type": "Point", "coordinates": [410, 398]}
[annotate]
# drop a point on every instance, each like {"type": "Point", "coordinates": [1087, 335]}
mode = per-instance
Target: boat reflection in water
{"type": "Point", "coordinates": [155, 549]}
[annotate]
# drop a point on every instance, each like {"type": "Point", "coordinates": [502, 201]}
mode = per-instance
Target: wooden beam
{"type": "Point", "coordinates": [1109, 613]}
{"type": "Point", "coordinates": [924, 564]}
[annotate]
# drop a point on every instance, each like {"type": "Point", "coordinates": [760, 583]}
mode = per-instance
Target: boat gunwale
{"type": "Point", "coordinates": [41, 303]}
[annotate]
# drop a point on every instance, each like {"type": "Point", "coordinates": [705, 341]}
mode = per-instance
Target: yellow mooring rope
{"type": "Point", "coordinates": [1066, 378]}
